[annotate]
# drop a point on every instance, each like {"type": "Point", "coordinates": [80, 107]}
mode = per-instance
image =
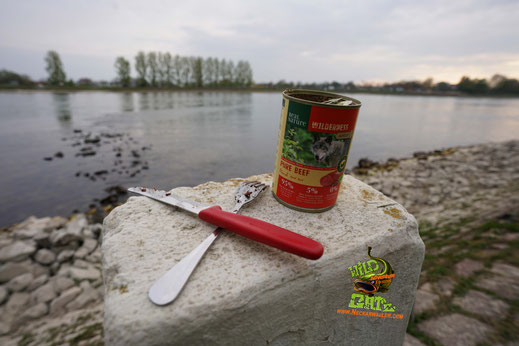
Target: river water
{"type": "Point", "coordinates": [169, 139]}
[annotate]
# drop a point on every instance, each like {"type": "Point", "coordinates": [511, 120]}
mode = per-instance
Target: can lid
{"type": "Point", "coordinates": [321, 98]}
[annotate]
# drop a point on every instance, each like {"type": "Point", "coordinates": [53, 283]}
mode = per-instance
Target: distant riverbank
{"type": "Point", "coordinates": [248, 90]}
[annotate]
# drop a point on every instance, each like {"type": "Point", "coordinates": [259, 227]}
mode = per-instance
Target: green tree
{"type": "Point", "coordinates": [473, 86]}
{"type": "Point", "coordinates": [123, 71]}
{"type": "Point", "coordinates": [243, 74]}
{"type": "Point", "coordinates": [153, 68]}
{"type": "Point", "coordinates": [141, 66]}
{"type": "Point", "coordinates": [208, 71]}
{"type": "Point", "coordinates": [13, 78]}
{"type": "Point", "coordinates": [225, 73]}
{"type": "Point", "coordinates": [507, 86]}
{"type": "Point", "coordinates": [443, 86]}
{"type": "Point", "coordinates": [55, 69]}
{"type": "Point", "coordinates": [428, 83]}
{"type": "Point", "coordinates": [165, 69]}
{"type": "Point", "coordinates": [177, 70]}
{"type": "Point", "coordinates": [185, 71]}
{"type": "Point", "coordinates": [196, 65]}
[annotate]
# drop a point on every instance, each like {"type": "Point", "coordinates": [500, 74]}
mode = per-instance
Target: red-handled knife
{"type": "Point", "coordinates": [246, 226]}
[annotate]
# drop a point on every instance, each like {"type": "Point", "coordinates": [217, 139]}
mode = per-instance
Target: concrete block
{"type": "Point", "coordinates": [245, 293]}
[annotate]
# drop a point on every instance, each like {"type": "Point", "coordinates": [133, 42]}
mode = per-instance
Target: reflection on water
{"type": "Point", "coordinates": [62, 107]}
{"type": "Point", "coordinates": [127, 102]}
{"type": "Point", "coordinates": [200, 136]}
{"type": "Point", "coordinates": [170, 100]}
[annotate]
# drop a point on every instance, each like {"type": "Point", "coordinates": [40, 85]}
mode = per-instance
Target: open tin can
{"type": "Point", "coordinates": [315, 135]}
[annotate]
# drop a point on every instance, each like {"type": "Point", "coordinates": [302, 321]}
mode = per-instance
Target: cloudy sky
{"type": "Point", "coordinates": [292, 40]}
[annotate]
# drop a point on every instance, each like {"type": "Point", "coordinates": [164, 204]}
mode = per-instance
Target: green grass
{"type": "Point", "coordinates": [88, 333]}
{"type": "Point", "coordinates": [477, 244]}
{"type": "Point", "coordinates": [26, 339]}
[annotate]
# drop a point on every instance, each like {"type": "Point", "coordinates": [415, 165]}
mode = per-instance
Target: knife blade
{"type": "Point", "coordinates": [260, 231]}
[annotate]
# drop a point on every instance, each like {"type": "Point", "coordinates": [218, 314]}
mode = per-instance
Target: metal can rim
{"type": "Point", "coordinates": [287, 92]}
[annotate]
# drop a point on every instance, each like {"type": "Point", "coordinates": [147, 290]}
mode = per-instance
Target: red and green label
{"type": "Point", "coordinates": [312, 153]}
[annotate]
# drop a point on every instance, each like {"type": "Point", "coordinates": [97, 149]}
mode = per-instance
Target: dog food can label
{"type": "Point", "coordinates": [315, 134]}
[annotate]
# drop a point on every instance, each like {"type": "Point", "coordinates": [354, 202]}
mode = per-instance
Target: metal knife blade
{"type": "Point", "coordinates": [169, 198]}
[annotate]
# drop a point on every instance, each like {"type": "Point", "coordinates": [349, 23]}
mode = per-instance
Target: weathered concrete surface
{"type": "Point", "coordinates": [246, 293]}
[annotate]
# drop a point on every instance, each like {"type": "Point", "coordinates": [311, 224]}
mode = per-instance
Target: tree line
{"type": "Point", "coordinates": [163, 70]}
{"type": "Point", "coordinates": [497, 85]}
{"type": "Point", "coordinates": [158, 69]}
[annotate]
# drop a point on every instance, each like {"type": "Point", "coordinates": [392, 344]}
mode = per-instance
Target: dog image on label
{"type": "Point", "coordinates": [327, 150]}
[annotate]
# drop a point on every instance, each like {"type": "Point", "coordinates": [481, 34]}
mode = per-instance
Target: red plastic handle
{"type": "Point", "coordinates": [263, 232]}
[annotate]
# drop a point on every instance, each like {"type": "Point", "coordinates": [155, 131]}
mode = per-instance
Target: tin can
{"type": "Point", "coordinates": [315, 134]}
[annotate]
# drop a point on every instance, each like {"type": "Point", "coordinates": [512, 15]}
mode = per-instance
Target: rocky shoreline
{"type": "Point", "coordinates": [51, 290]}
{"type": "Point", "coordinates": [50, 269]}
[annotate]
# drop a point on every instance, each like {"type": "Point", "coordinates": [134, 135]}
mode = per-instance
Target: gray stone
{"type": "Point", "coordinates": [17, 251]}
{"type": "Point", "coordinates": [20, 282]}
{"type": "Point", "coordinates": [62, 237]}
{"type": "Point", "coordinates": [425, 300]}
{"type": "Point", "coordinates": [445, 286]}
{"type": "Point", "coordinates": [5, 241]}
{"type": "Point", "coordinates": [40, 280]}
{"type": "Point", "coordinates": [3, 294]}
{"type": "Point", "coordinates": [37, 269]}
{"type": "Point", "coordinates": [45, 256]}
{"type": "Point", "coordinates": [410, 340]}
{"type": "Point", "coordinates": [64, 270]}
{"type": "Point", "coordinates": [481, 304]}
{"type": "Point", "coordinates": [44, 293]}
{"type": "Point", "coordinates": [510, 236]}
{"type": "Point", "coordinates": [58, 305]}
{"type": "Point", "coordinates": [71, 232]}
{"type": "Point", "coordinates": [467, 267]}
{"type": "Point", "coordinates": [11, 270]}
{"type": "Point", "coordinates": [90, 273]}
{"type": "Point", "coordinates": [96, 228]}
{"type": "Point", "coordinates": [505, 270]}
{"type": "Point", "coordinates": [11, 312]}
{"type": "Point", "coordinates": [503, 285]}
{"type": "Point", "coordinates": [35, 311]}
{"type": "Point", "coordinates": [455, 329]}
{"type": "Point", "coordinates": [62, 283]}
{"type": "Point", "coordinates": [81, 253]}
{"type": "Point", "coordinates": [500, 246]}
{"type": "Point", "coordinates": [65, 255]}
{"type": "Point", "coordinates": [16, 303]}
{"type": "Point", "coordinates": [54, 268]}
{"type": "Point", "coordinates": [30, 227]}
{"type": "Point", "coordinates": [95, 256]}
{"type": "Point", "coordinates": [5, 326]}
{"type": "Point", "coordinates": [88, 295]}
{"type": "Point", "coordinates": [42, 239]}
{"type": "Point", "coordinates": [44, 224]}
{"type": "Point", "coordinates": [79, 263]}
{"type": "Point", "coordinates": [90, 245]}
{"type": "Point", "coordinates": [247, 293]}
{"type": "Point", "coordinates": [28, 233]}
{"type": "Point", "coordinates": [88, 234]}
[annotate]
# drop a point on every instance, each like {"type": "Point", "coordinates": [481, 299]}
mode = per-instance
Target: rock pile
{"type": "Point", "coordinates": [48, 266]}
{"type": "Point", "coordinates": [443, 186]}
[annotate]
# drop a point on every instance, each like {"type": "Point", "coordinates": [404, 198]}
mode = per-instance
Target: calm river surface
{"type": "Point", "coordinates": [164, 140]}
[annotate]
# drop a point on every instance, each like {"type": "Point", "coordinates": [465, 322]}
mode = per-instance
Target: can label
{"type": "Point", "coordinates": [313, 147]}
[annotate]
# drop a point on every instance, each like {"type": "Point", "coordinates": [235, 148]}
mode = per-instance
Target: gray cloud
{"type": "Point", "coordinates": [298, 41]}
